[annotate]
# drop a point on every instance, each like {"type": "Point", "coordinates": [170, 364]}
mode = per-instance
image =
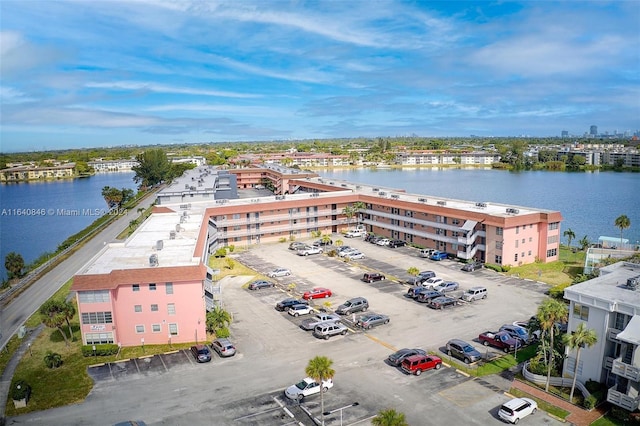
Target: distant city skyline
{"type": "Point", "coordinates": [96, 74]}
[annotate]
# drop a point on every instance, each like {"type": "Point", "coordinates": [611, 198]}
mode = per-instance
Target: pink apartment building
{"type": "Point", "coordinates": [156, 285]}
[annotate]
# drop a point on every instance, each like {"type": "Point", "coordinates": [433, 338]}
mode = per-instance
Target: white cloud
{"type": "Point", "coordinates": [162, 88]}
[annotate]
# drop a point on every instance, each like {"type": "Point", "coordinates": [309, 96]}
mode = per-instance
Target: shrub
{"type": "Point", "coordinates": [493, 267]}
{"type": "Point", "coordinates": [557, 292]}
{"type": "Point", "coordinates": [52, 359]}
{"type": "Point", "coordinates": [506, 268]}
{"type": "Point", "coordinates": [222, 332]}
{"type": "Point", "coordinates": [221, 252]}
{"type": "Point", "coordinates": [590, 402]}
{"type": "Point", "coordinates": [593, 386]}
{"type": "Point", "coordinates": [101, 350]}
{"type": "Point", "coordinates": [20, 390]}
{"type": "Point", "coordinates": [282, 239]}
{"type": "Point", "coordinates": [231, 248]}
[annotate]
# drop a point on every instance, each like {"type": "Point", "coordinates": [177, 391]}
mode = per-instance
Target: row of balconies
{"type": "Point", "coordinates": [623, 400]}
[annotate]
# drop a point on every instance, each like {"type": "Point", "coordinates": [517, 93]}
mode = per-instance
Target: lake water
{"type": "Point", "coordinates": [589, 202]}
{"type": "Point", "coordinates": [36, 217]}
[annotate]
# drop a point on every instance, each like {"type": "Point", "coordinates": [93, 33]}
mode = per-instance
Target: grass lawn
{"type": "Point", "coordinates": [607, 420]}
{"type": "Point", "coordinates": [561, 272]}
{"type": "Point", "coordinates": [498, 365]}
{"type": "Point", "coordinates": [543, 405]}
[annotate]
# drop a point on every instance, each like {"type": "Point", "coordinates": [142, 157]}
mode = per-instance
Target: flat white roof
{"type": "Point", "coordinates": [610, 285]}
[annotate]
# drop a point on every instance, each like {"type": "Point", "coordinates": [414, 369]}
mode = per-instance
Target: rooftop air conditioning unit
{"type": "Point", "coordinates": [395, 196]}
{"type": "Point", "coordinates": [481, 205]}
{"type": "Point", "coordinates": [422, 200]}
{"type": "Point", "coordinates": [633, 283]}
{"type": "Point", "coordinates": [159, 244]}
{"type": "Point", "coordinates": [172, 235]}
{"type": "Point", "coordinates": [441, 203]}
{"type": "Point", "coordinates": [375, 190]}
{"type": "Point", "coordinates": [177, 227]}
{"type": "Point", "coordinates": [153, 260]}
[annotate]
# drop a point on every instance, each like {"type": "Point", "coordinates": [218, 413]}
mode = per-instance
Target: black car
{"type": "Point", "coordinates": [397, 243]}
{"type": "Point", "coordinates": [321, 243]}
{"type": "Point", "coordinates": [370, 277]}
{"type": "Point", "coordinates": [472, 266]}
{"type": "Point", "coordinates": [285, 304]}
{"type": "Point", "coordinates": [428, 296]}
{"type": "Point", "coordinates": [201, 353]}
{"type": "Point", "coordinates": [260, 284]}
{"type": "Point", "coordinates": [396, 358]}
{"type": "Point", "coordinates": [415, 291]}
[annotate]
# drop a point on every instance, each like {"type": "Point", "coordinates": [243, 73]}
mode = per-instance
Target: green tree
{"type": "Point", "coordinates": [389, 417]}
{"type": "Point", "coordinates": [14, 264]}
{"type": "Point", "coordinates": [623, 223]}
{"type": "Point", "coordinates": [82, 168]}
{"type": "Point", "coordinates": [584, 243]}
{"type": "Point", "coordinates": [349, 212]}
{"type": "Point", "coordinates": [582, 337]}
{"type": "Point", "coordinates": [69, 311]}
{"type": "Point", "coordinates": [326, 239]}
{"type": "Point", "coordinates": [153, 168]}
{"type": "Point", "coordinates": [551, 311]}
{"type": "Point", "coordinates": [319, 369]}
{"type": "Point", "coordinates": [217, 318]}
{"type": "Point", "coordinates": [53, 316]}
{"type": "Point", "coordinates": [52, 359]}
{"type": "Point", "coordinates": [570, 235]}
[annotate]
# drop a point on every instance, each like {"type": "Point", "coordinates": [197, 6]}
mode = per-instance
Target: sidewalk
{"type": "Point", "coordinates": [7, 374]}
{"type": "Point", "coordinates": [578, 416]}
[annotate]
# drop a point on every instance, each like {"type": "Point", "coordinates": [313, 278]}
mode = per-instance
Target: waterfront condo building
{"type": "Point", "coordinates": [609, 305]}
{"type": "Point", "coordinates": [157, 286]}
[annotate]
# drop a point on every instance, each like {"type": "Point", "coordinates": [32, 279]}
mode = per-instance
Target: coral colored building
{"type": "Point", "coordinates": [156, 284]}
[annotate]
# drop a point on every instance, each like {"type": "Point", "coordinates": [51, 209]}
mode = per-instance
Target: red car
{"type": "Point", "coordinates": [317, 293]}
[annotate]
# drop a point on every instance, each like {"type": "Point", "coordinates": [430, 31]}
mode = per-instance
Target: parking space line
{"type": "Point", "coordinates": [385, 344]}
{"type": "Point", "coordinates": [256, 414]}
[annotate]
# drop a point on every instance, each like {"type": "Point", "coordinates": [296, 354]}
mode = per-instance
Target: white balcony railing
{"type": "Point", "coordinates": [628, 371]}
{"type": "Point", "coordinates": [623, 400]}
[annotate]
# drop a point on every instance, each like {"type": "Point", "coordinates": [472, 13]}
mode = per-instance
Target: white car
{"type": "Point", "coordinates": [310, 250]}
{"type": "Point", "coordinates": [345, 253]}
{"type": "Point", "coordinates": [307, 387]}
{"type": "Point", "coordinates": [432, 282]}
{"type": "Point", "coordinates": [279, 272]}
{"type": "Point", "coordinates": [355, 233]}
{"type": "Point", "coordinates": [383, 242]}
{"type": "Point", "coordinates": [517, 409]}
{"type": "Point", "coordinates": [300, 309]}
{"type": "Point", "coordinates": [355, 255]}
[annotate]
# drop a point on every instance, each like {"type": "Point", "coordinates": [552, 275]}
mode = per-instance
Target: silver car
{"type": "Point", "coordinates": [223, 347]}
{"type": "Point", "coordinates": [279, 272]}
{"type": "Point", "coordinates": [372, 320]}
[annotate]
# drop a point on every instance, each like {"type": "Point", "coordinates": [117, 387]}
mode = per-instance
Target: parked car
{"type": "Point", "coordinates": [383, 242]}
{"type": "Point", "coordinates": [351, 306]}
{"type": "Point", "coordinates": [474, 293]}
{"type": "Point", "coordinates": [310, 323]}
{"type": "Point", "coordinates": [297, 310]}
{"type": "Point", "coordinates": [432, 282]}
{"type": "Point", "coordinates": [415, 291]}
{"type": "Point", "coordinates": [396, 243]}
{"type": "Point", "coordinates": [370, 277]}
{"type": "Point", "coordinates": [317, 293]}
{"type": "Point", "coordinates": [260, 284]}
{"type": "Point", "coordinates": [416, 364]}
{"type": "Point", "coordinates": [472, 266]}
{"type": "Point", "coordinates": [279, 272]}
{"type": "Point", "coordinates": [342, 251]}
{"type": "Point", "coordinates": [442, 302]}
{"type": "Point", "coordinates": [310, 250]}
{"type": "Point", "coordinates": [517, 332]}
{"type": "Point", "coordinates": [501, 340]}
{"type": "Point", "coordinates": [355, 255]}
{"type": "Point", "coordinates": [517, 409]}
{"type": "Point", "coordinates": [223, 347]}
{"type": "Point", "coordinates": [438, 255]}
{"type": "Point", "coordinates": [426, 274]}
{"type": "Point", "coordinates": [307, 387]}
{"type": "Point", "coordinates": [355, 233]}
{"type": "Point", "coordinates": [297, 245]}
{"type": "Point", "coordinates": [372, 320]}
{"type": "Point", "coordinates": [397, 357]}
{"type": "Point", "coordinates": [345, 253]}
{"type": "Point", "coordinates": [201, 353]}
{"type": "Point", "coordinates": [285, 304]}
{"type": "Point", "coordinates": [428, 295]}
{"type": "Point", "coordinates": [323, 243]}
{"type": "Point", "coordinates": [328, 329]}
{"type": "Point", "coordinates": [415, 281]}
{"type": "Point", "coordinates": [446, 286]}
{"type": "Point", "coordinates": [426, 252]}
{"type": "Point", "coordinates": [463, 350]}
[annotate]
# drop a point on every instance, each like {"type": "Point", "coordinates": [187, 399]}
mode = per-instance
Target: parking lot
{"type": "Point", "coordinates": [273, 352]}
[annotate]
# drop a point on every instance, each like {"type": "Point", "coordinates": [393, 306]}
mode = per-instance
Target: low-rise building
{"type": "Point", "coordinates": [22, 173]}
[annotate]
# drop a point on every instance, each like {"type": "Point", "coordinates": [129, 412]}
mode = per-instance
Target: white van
{"type": "Point", "coordinates": [426, 252]}
{"type": "Point", "coordinates": [475, 293]}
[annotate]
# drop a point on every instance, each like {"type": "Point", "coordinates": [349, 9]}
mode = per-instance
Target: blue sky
{"type": "Point", "coordinates": [104, 73]}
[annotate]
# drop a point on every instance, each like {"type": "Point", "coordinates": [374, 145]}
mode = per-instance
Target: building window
{"type": "Point", "coordinates": [498, 245]}
{"type": "Point", "coordinates": [529, 253]}
{"type": "Point", "coordinates": [552, 239]}
{"type": "Point", "coordinates": [581, 312]}
{"type": "Point", "coordinates": [98, 338]}
{"type": "Point", "coordinates": [156, 328]}
{"type": "Point", "coordinates": [517, 242]}
{"type": "Point", "coordinates": [530, 239]}
{"type": "Point", "coordinates": [523, 241]}
{"type": "Point", "coordinates": [139, 329]}
{"type": "Point", "coordinates": [515, 257]}
{"type": "Point", "coordinates": [498, 259]}
{"type": "Point", "coordinates": [137, 308]}
{"type": "Point", "coordinates": [455, 222]}
{"type": "Point", "coordinates": [152, 287]}
{"type": "Point", "coordinates": [173, 329]}
{"type": "Point", "coordinates": [554, 225]}
{"type": "Point", "coordinates": [136, 287]}
{"type": "Point", "coordinates": [154, 308]}
{"type": "Point", "coordinates": [94, 296]}
{"type": "Point", "coordinates": [171, 308]}
{"type": "Point", "coordinates": [168, 287]}
{"type": "Point", "coordinates": [552, 252]}
{"type": "Point", "coordinates": [499, 231]}
{"type": "Point", "coordinates": [522, 255]}
{"type": "Point", "coordinates": [621, 321]}
{"type": "Point", "coordinates": [517, 229]}
{"type": "Point", "coordinates": [97, 318]}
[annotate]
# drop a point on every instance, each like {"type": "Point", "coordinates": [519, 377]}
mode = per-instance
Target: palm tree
{"type": "Point", "coordinates": [52, 359]}
{"type": "Point", "coordinates": [326, 239]}
{"type": "Point", "coordinates": [69, 311]}
{"type": "Point", "coordinates": [217, 318]}
{"type": "Point", "coordinates": [339, 243]}
{"type": "Point", "coordinates": [319, 369]}
{"type": "Point", "coordinates": [389, 417]}
{"type": "Point", "coordinates": [357, 206]}
{"type": "Point", "coordinates": [53, 316]}
{"type": "Point", "coordinates": [14, 264]}
{"type": "Point", "coordinates": [348, 211]}
{"type": "Point", "coordinates": [550, 312]}
{"type": "Point", "coordinates": [580, 338]}
{"type": "Point", "coordinates": [584, 243]}
{"type": "Point", "coordinates": [623, 223]}
{"type": "Point", "coordinates": [570, 235]}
